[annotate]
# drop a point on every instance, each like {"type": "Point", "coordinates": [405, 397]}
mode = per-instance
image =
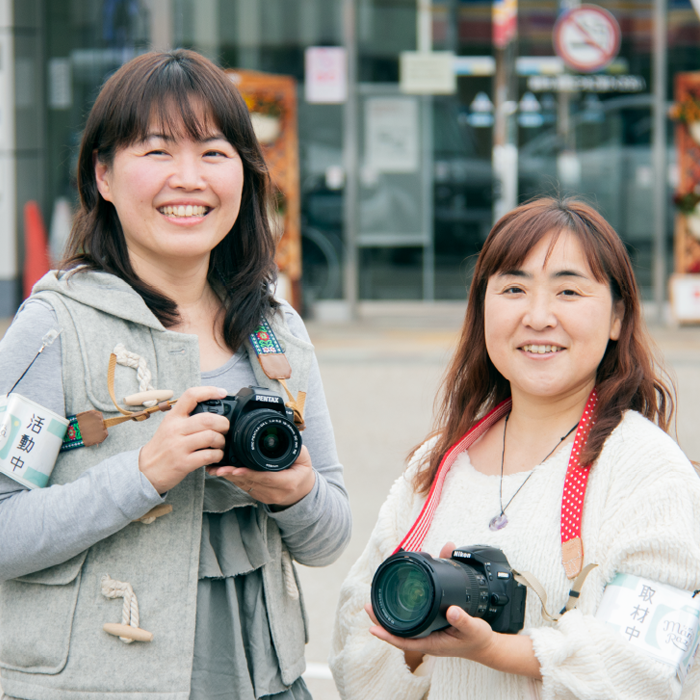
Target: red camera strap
{"type": "Point", "coordinates": [414, 539]}
{"type": "Point", "coordinates": [572, 497]}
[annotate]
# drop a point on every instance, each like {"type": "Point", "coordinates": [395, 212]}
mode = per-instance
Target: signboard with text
{"type": "Point", "coordinates": [326, 79]}
{"type": "Point", "coordinates": [427, 73]}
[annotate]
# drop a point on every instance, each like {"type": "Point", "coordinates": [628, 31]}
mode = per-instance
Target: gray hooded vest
{"type": "Point", "coordinates": [52, 645]}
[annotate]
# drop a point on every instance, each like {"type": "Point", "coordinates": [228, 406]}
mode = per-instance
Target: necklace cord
{"type": "Point", "coordinates": [503, 456]}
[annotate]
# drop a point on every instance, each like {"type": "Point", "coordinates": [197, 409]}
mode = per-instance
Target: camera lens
{"type": "Point", "coordinates": [407, 593]}
{"type": "Point", "coordinates": [272, 442]}
{"type": "Point", "coordinates": [411, 592]}
{"type": "Point", "coordinates": [265, 440]}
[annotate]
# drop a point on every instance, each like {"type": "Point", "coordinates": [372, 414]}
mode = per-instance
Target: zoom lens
{"type": "Point", "coordinates": [265, 440]}
{"type": "Point", "coordinates": [406, 593]}
{"type": "Point", "coordinates": [411, 592]}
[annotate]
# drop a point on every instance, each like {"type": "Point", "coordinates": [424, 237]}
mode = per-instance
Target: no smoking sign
{"type": "Point", "coordinates": [587, 38]}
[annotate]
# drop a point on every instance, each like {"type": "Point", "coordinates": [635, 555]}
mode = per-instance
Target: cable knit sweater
{"type": "Point", "coordinates": [639, 518]}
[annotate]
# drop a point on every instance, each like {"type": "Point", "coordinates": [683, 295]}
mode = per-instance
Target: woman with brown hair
{"type": "Point", "coordinates": [549, 445]}
{"type": "Point", "coordinates": [167, 289]}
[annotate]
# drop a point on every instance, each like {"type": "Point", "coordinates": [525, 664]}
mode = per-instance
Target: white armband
{"type": "Point", "coordinates": [659, 620]}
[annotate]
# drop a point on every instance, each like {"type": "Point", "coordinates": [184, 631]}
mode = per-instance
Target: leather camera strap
{"type": "Point", "coordinates": [275, 365]}
{"type": "Point", "coordinates": [573, 495]}
{"type": "Point", "coordinates": [90, 427]}
{"type": "Point", "coordinates": [527, 579]}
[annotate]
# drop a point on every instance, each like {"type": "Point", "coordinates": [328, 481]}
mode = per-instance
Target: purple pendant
{"type": "Point", "coordinates": [498, 522]}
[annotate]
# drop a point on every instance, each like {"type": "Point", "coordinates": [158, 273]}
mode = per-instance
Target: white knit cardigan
{"type": "Point", "coordinates": [639, 518]}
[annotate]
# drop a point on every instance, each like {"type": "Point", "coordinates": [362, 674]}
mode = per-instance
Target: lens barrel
{"type": "Point", "coordinates": [265, 440]}
{"type": "Point", "coordinates": [411, 593]}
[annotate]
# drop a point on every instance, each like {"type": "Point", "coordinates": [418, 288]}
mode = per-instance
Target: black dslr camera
{"type": "Point", "coordinates": [261, 435]}
{"type": "Point", "coordinates": [411, 591]}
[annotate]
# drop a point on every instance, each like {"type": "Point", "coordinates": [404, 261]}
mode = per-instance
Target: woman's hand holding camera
{"type": "Point", "coordinates": [283, 488]}
{"type": "Point", "coordinates": [183, 443]}
{"type": "Point", "coordinates": [469, 638]}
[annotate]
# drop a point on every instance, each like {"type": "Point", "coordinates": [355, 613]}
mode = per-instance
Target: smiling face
{"type": "Point", "coordinates": [547, 323]}
{"type": "Point", "coordinates": [176, 197]}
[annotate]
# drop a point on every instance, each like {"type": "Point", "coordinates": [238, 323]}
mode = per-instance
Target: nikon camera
{"type": "Point", "coordinates": [261, 435]}
{"type": "Point", "coordinates": [411, 591]}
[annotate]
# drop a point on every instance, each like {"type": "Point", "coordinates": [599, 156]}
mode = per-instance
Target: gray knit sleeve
{"type": "Point", "coordinates": [44, 527]}
{"type": "Point", "coordinates": [42, 383]}
{"type": "Point", "coordinates": [317, 529]}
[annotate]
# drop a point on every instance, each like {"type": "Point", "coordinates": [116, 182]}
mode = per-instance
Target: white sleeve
{"type": "Point", "coordinates": [650, 530]}
{"type": "Point", "coordinates": [364, 667]}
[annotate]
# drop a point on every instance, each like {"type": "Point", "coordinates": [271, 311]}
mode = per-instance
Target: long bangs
{"type": "Point", "coordinates": [175, 95]}
{"type": "Point", "coordinates": [514, 237]}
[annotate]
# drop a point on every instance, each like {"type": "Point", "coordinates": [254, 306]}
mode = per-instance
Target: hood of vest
{"type": "Point", "coordinates": [101, 291]}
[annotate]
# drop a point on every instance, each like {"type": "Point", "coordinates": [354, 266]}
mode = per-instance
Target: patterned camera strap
{"type": "Point", "coordinates": [275, 365]}
{"type": "Point", "coordinates": [90, 428]}
{"type": "Point", "coordinates": [572, 497]}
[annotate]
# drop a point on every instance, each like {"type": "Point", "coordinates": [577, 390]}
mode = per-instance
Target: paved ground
{"type": "Point", "coordinates": [380, 376]}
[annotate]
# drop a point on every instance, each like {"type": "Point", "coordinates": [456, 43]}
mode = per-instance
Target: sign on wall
{"type": "Point", "coordinates": [427, 73]}
{"type": "Point", "coordinates": [326, 75]}
{"type": "Point", "coordinates": [391, 136]}
{"type": "Point", "coordinates": [587, 38]}
{"type": "Point", "coordinates": [685, 298]}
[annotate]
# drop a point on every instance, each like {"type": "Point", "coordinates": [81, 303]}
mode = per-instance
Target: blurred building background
{"type": "Point", "coordinates": [397, 190]}
{"type": "Point", "coordinates": [415, 222]}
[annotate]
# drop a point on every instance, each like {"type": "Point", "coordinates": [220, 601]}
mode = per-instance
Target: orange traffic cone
{"type": "Point", "coordinates": [36, 247]}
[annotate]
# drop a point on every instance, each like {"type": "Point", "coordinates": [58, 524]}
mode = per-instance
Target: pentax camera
{"type": "Point", "coordinates": [411, 591]}
{"type": "Point", "coordinates": [262, 434]}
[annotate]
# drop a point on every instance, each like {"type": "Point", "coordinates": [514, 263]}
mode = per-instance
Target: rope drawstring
{"type": "Point", "coordinates": [128, 415]}
{"type": "Point", "coordinates": [131, 359]}
{"type": "Point", "coordinates": [290, 582]}
{"type": "Point", "coordinates": [130, 611]}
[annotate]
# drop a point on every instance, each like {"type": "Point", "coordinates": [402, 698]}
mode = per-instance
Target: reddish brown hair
{"type": "Point", "coordinates": [628, 376]}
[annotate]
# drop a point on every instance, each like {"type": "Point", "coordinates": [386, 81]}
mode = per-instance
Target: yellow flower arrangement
{"type": "Point", "coordinates": [262, 104]}
{"type": "Point", "coordinates": [686, 111]}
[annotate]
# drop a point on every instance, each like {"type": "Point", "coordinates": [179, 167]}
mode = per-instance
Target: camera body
{"type": "Point", "coordinates": [262, 434]}
{"type": "Point", "coordinates": [411, 591]}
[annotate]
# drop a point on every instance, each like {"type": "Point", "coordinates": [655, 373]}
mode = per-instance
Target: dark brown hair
{"type": "Point", "coordinates": [182, 93]}
{"type": "Point", "coordinates": [627, 376]}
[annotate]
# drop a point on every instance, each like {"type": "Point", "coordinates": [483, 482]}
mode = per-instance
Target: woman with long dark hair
{"type": "Point", "coordinates": [166, 289]}
{"type": "Point", "coordinates": [550, 445]}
